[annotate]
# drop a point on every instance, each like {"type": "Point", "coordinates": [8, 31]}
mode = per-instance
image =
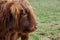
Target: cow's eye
{"type": "Point", "coordinates": [23, 13]}
{"type": "Point", "coordinates": [10, 16]}
{"type": "Point", "coordinates": [21, 10]}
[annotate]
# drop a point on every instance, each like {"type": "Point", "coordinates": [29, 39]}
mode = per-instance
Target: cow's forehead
{"type": "Point", "coordinates": [16, 7]}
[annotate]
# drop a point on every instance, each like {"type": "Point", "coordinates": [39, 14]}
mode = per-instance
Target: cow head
{"type": "Point", "coordinates": [24, 16]}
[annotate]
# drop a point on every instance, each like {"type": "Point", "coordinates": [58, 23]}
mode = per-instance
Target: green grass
{"type": "Point", "coordinates": [48, 19]}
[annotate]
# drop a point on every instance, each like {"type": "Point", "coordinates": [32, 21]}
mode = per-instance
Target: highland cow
{"type": "Point", "coordinates": [17, 19]}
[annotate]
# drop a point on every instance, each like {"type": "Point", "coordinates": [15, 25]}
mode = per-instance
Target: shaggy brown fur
{"type": "Point", "coordinates": [17, 19]}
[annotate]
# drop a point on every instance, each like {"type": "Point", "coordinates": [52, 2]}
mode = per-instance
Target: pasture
{"type": "Point", "coordinates": [48, 19]}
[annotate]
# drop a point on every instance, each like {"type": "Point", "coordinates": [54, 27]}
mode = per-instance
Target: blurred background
{"type": "Point", "coordinates": [48, 19]}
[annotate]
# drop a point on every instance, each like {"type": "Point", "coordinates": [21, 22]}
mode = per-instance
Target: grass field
{"type": "Point", "coordinates": [48, 19]}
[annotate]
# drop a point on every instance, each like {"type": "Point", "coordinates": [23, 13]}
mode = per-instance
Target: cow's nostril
{"type": "Point", "coordinates": [35, 27]}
